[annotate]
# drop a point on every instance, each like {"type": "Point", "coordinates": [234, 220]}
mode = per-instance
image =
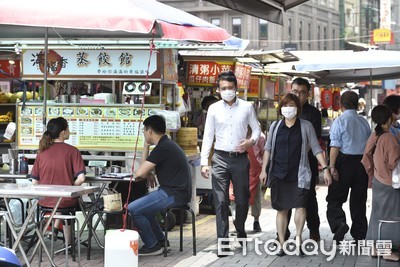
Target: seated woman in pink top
{"type": "Point", "coordinates": [58, 163]}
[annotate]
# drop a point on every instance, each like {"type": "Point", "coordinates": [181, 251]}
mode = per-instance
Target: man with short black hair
{"type": "Point", "coordinates": [227, 122]}
{"type": "Point", "coordinates": [173, 174]}
{"type": "Point", "coordinates": [301, 87]}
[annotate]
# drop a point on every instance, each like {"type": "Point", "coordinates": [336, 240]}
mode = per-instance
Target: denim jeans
{"type": "Point", "coordinates": [143, 211]}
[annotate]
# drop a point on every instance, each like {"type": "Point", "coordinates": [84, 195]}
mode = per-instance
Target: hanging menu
{"type": "Point", "coordinates": [92, 127]}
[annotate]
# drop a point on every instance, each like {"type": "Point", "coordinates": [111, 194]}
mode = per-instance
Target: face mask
{"type": "Point", "coordinates": [289, 112]}
{"type": "Point", "coordinates": [228, 95]}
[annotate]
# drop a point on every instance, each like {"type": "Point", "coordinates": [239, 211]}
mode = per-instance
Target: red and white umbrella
{"type": "Point", "coordinates": [74, 19]}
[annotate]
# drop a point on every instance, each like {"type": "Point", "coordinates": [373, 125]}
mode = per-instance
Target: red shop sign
{"type": "Point", "coordinates": [205, 73]}
{"type": "Point", "coordinates": [243, 75]}
{"type": "Point", "coordinates": [12, 69]}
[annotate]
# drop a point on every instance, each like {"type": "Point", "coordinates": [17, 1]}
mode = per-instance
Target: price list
{"type": "Point", "coordinates": [105, 128]}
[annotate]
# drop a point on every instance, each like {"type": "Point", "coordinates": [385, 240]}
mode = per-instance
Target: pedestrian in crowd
{"type": "Point", "coordinates": [289, 175]}
{"type": "Point", "coordinates": [349, 134]}
{"type": "Point", "coordinates": [172, 170]}
{"type": "Point", "coordinates": [255, 154]}
{"type": "Point", "coordinates": [393, 102]}
{"type": "Point", "coordinates": [227, 122]}
{"type": "Point", "coordinates": [301, 88]}
{"type": "Point", "coordinates": [205, 104]}
{"type": "Point", "coordinates": [58, 163]}
{"type": "Point", "coordinates": [381, 156]}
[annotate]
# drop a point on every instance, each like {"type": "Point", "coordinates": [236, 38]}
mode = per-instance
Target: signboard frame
{"type": "Point", "coordinates": [93, 127]}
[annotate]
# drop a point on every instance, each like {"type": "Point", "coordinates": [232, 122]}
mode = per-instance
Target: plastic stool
{"type": "Point", "coordinates": [381, 222]}
{"type": "Point", "coordinates": [181, 209]}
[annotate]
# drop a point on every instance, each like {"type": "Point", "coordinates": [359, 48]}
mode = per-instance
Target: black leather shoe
{"type": "Point", "coordinates": [256, 226]}
{"type": "Point", "coordinates": [340, 232]}
{"type": "Point", "coordinates": [224, 254]}
{"type": "Point", "coordinates": [241, 235]}
{"type": "Point", "coordinates": [281, 253]}
{"type": "Point", "coordinates": [314, 235]}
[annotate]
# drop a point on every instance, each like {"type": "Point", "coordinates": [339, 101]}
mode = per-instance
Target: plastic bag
{"type": "Point", "coordinates": [267, 195]}
{"type": "Point", "coordinates": [396, 176]}
{"type": "Point", "coordinates": [172, 119]}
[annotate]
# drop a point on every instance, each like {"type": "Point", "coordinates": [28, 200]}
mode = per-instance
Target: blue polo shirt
{"type": "Point", "coordinates": [350, 133]}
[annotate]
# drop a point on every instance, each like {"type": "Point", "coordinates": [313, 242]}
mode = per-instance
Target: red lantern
{"type": "Point", "coordinates": [336, 100]}
{"type": "Point", "coordinates": [326, 98]}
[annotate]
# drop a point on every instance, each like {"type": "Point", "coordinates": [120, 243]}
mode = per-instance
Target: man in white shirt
{"type": "Point", "coordinates": [227, 122]}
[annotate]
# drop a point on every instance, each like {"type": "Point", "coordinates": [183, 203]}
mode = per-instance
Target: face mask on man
{"type": "Point", "coordinates": [289, 112]}
{"type": "Point", "coordinates": [228, 95]}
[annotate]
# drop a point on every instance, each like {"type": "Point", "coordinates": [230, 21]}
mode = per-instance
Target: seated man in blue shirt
{"type": "Point", "coordinates": [173, 174]}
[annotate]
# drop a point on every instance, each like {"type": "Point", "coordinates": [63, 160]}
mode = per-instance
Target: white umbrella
{"type": "Point", "coordinates": [347, 66]}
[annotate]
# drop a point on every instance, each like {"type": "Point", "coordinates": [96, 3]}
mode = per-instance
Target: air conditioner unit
{"type": "Point", "coordinates": [137, 88]}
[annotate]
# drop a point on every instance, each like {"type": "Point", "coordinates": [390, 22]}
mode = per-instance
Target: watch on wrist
{"type": "Point", "coordinates": [326, 168]}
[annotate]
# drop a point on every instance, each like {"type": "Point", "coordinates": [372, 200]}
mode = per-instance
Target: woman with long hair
{"type": "Point", "coordinates": [380, 157]}
{"type": "Point", "coordinates": [58, 163]}
{"type": "Point", "coordinates": [289, 173]}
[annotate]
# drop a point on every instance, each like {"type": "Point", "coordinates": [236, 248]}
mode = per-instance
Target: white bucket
{"type": "Point", "coordinates": [121, 248]}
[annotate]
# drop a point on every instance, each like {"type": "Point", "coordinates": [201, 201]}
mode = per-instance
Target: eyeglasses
{"type": "Point", "coordinates": [295, 92]}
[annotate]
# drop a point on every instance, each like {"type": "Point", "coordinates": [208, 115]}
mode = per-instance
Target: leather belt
{"type": "Point", "coordinates": [231, 154]}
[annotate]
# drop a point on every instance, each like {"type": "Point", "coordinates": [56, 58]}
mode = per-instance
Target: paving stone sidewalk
{"type": "Point", "coordinates": [206, 245]}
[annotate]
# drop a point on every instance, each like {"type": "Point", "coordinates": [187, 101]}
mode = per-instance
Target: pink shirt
{"type": "Point", "coordinates": [381, 163]}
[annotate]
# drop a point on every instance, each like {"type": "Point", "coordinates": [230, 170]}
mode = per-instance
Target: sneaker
{"type": "Point", "coordinates": [53, 235]}
{"type": "Point", "coordinates": [256, 226]}
{"type": "Point", "coordinates": [145, 251]}
{"type": "Point", "coordinates": [162, 242]}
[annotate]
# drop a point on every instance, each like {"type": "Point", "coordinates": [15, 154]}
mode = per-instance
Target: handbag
{"type": "Point", "coordinates": [112, 201]}
{"type": "Point", "coordinates": [396, 176]}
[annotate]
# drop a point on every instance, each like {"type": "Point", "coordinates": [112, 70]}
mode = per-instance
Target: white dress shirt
{"type": "Point", "coordinates": [228, 125]}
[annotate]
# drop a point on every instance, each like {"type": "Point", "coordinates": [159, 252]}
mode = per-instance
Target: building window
{"type": "Point", "coordinates": [301, 34]}
{"type": "Point", "coordinates": [325, 39]}
{"type": "Point", "coordinates": [263, 29]}
{"type": "Point", "coordinates": [216, 22]}
{"type": "Point", "coordinates": [237, 27]}
{"type": "Point", "coordinates": [309, 36]}
{"type": "Point", "coordinates": [319, 37]}
{"type": "Point", "coordinates": [290, 30]}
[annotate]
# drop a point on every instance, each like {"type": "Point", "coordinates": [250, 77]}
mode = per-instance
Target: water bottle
{"type": "Point", "coordinates": [23, 165]}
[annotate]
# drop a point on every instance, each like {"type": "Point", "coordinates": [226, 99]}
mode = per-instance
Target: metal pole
{"type": "Point", "coordinates": [46, 51]}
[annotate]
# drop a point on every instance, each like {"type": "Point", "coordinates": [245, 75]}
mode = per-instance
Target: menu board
{"type": "Point", "coordinates": [92, 127]}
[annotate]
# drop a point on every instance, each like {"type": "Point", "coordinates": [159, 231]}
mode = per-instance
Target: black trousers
{"type": "Point", "coordinates": [224, 170]}
{"type": "Point", "coordinates": [351, 175]}
{"type": "Point", "coordinates": [312, 218]}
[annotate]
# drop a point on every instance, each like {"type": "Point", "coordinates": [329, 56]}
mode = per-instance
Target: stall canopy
{"type": "Point", "coordinates": [348, 66]}
{"type": "Point", "coordinates": [117, 22]}
{"type": "Point", "coordinates": [77, 19]}
{"type": "Point", "coordinates": [270, 10]}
